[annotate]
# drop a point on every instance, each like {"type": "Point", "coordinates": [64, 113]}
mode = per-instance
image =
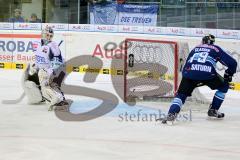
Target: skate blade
{"type": "Point", "coordinates": [214, 118]}
{"type": "Point", "coordinates": [64, 108]}
{"type": "Point", "coordinates": [163, 122]}
{"type": "Point", "coordinates": [170, 123]}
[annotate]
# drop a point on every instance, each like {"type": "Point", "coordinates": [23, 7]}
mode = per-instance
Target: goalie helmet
{"type": "Point", "coordinates": [47, 33]}
{"type": "Point", "coordinates": [209, 39]}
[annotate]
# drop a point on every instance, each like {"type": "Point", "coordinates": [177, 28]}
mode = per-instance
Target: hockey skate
{"type": "Point", "coordinates": [169, 119]}
{"type": "Point", "coordinates": [215, 113]}
{"type": "Point", "coordinates": [61, 106]}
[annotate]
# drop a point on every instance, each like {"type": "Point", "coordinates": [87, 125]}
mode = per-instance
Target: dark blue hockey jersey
{"type": "Point", "coordinates": [201, 62]}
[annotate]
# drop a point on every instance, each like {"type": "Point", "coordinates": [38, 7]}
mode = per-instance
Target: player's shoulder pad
{"type": "Point", "coordinates": [219, 48]}
{"type": "Point", "coordinates": [53, 44]}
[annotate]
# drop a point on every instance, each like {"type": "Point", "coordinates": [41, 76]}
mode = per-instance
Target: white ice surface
{"type": "Point", "coordinates": [32, 133]}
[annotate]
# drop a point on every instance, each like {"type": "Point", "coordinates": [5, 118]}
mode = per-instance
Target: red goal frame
{"type": "Point", "coordinates": [175, 44]}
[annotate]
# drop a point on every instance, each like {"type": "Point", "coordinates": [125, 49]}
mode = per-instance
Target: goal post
{"type": "Point", "coordinates": [151, 68]}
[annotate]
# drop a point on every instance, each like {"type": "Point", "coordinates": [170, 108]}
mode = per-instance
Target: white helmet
{"type": "Point", "coordinates": [47, 33]}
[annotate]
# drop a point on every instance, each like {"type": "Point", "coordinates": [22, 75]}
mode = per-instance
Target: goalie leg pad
{"type": "Point", "coordinates": [51, 95]}
{"type": "Point", "coordinates": [48, 92]}
{"type": "Point", "coordinates": [44, 77]}
{"type": "Point", "coordinates": [32, 91]}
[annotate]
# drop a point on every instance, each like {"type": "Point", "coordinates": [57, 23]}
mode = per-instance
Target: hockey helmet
{"type": "Point", "coordinates": [209, 39]}
{"type": "Point", "coordinates": [47, 33]}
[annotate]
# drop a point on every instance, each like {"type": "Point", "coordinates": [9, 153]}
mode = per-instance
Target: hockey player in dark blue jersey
{"type": "Point", "coordinates": [199, 70]}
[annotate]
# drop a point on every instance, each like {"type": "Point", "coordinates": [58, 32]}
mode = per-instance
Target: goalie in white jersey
{"type": "Point", "coordinates": [48, 60]}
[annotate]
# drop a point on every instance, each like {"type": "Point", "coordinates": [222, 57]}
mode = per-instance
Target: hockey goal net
{"type": "Point", "coordinates": [151, 69]}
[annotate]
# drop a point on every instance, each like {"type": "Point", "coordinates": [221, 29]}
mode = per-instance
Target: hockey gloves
{"type": "Point", "coordinates": [227, 76]}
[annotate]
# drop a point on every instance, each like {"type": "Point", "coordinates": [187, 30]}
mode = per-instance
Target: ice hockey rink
{"type": "Point", "coordinates": [30, 132]}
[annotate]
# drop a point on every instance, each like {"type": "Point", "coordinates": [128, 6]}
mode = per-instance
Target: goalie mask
{"type": "Point", "coordinates": [47, 34]}
{"type": "Point", "coordinates": [209, 39]}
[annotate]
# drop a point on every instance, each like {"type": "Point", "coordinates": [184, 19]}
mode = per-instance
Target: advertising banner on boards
{"type": "Point", "coordinates": [124, 14]}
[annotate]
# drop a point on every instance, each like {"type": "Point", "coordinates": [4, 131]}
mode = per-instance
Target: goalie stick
{"type": "Point", "coordinates": [15, 101]}
{"type": "Point", "coordinates": [59, 44]}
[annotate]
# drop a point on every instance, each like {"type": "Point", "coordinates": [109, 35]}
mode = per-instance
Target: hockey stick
{"type": "Point", "coordinates": [60, 43]}
{"type": "Point", "coordinates": [235, 86]}
{"type": "Point", "coordinates": [14, 101]}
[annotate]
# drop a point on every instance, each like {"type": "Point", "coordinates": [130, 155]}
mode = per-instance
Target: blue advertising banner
{"type": "Point", "coordinates": [103, 13]}
{"type": "Point", "coordinates": [145, 15]}
{"type": "Point", "coordinates": [124, 14]}
{"type": "Point", "coordinates": [130, 8]}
